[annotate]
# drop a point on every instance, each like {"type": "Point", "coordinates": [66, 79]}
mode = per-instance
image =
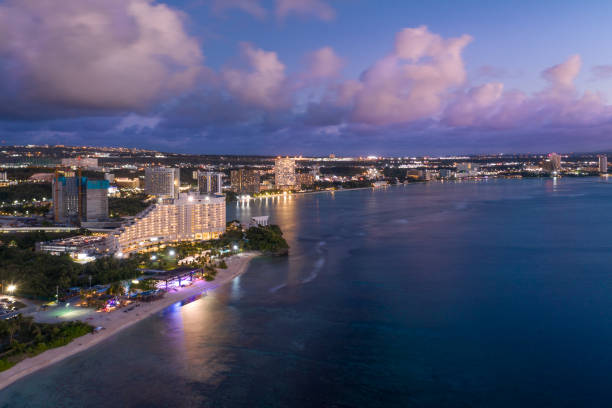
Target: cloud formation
{"type": "Point", "coordinates": [409, 84]}
{"type": "Point", "coordinates": [323, 63]}
{"type": "Point", "coordinates": [145, 78]}
{"type": "Point", "coordinates": [100, 54]}
{"type": "Point", "coordinates": [262, 84]}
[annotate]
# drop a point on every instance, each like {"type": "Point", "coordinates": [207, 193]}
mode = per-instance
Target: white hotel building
{"type": "Point", "coordinates": [187, 218]}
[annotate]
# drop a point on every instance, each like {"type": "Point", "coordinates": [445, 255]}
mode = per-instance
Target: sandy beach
{"type": "Point", "coordinates": [117, 320]}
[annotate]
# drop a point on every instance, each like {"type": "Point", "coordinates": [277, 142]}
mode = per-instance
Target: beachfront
{"type": "Point", "coordinates": [117, 320]}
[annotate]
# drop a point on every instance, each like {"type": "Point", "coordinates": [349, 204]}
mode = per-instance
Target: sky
{"type": "Point", "coordinates": [310, 77]}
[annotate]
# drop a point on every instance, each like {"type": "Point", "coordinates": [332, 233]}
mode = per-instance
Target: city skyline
{"type": "Point", "coordinates": [307, 77]}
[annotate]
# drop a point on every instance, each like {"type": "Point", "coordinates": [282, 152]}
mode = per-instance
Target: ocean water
{"type": "Point", "coordinates": [477, 294]}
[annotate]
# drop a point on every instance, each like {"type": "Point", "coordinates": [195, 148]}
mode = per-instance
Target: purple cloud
{"type": "Point", "coordinates": [100, 54]}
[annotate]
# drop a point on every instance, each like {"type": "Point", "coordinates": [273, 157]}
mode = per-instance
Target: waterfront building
{"type": "Point", "coordinates": [261, 221]}
{"type": "Point", "coordinates": [77, 199]}
{"type": "Point", "coordinates": [189, 217]}
{"type": "Point", "coordinates": [305, 179]}
{"type": "Point", "coordinates": [245, 181]}
{"type": "Point", "coordinates": [209, 182]}
{"type": "Point", "coordinates": [467, 169]}
{"type": "Point", "coordinates": [284, 173]}
{"type": "Point", "coordinates": [162, 181]}
{"type": "Point", "coordinates": [81, 162]}
{"type": "Point", "coordinates": [446, 173]}
{"type": "Point", "coordinates": [555, 161]}
{"type": "Point", "coordinates": [415, 174]}
{"type": "Point", "coordinates": [603, 164]}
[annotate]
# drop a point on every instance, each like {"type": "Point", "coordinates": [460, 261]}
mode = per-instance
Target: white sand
{"type": "Point", "coordinates": [117, 320]}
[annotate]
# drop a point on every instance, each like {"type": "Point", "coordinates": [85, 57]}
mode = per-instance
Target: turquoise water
{"type": "Point", "coordinates": [476, 294]}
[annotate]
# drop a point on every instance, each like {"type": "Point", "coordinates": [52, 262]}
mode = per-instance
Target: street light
{"type": "Point", "coordinates": [171, 253]}
{"type": "Point", "coordinates": [11, 288]}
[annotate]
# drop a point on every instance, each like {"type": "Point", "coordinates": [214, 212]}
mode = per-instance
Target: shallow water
{"type": "Point", "coordinates": [474, 294]}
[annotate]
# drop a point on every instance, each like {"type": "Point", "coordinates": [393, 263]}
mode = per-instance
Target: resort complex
{"type": "Point", "coordinates": [191, 216]}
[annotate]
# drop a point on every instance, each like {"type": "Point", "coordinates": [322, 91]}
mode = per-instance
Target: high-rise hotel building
{"type": "Point", "coordinates": [284, 173]}
{"type": "Point", "coordinates": [189, 217]}
{"type": "Point", "coordinates": [603, 164]}
{"type": "Point", "coordinates": [77, 199]}
{"type": "Point", "coordinates": [245, 181]}
{"type": "Point", "coordinates": [162, 181]}
{"type": "Point", "coordinates": [209, 182]}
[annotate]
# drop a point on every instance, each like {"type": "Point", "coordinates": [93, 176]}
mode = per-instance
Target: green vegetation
{"type": "Point", "coordinates": [37, 274]}
{"type": "Point", "coordinates": [25, 209]}
{"type": "Point", "coordinates": [21, 337]}
{"type": "Point", "coordinates": [268, 239]}
{"type": "Point", "coordinates": [25, 191]}
{"type": "Point", "coordinates": [126, 206]}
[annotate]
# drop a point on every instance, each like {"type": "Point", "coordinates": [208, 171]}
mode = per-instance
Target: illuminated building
{"type": "Point", "coordinates": [467, 170]}
{"type": "Point", "coordinates": [305, 179]}
{"type": "Point", "coordinates": [126, 182]}
{"type": "Point", "coordinates": [284, 173]}
{"type": "Point", "coordinates": [189, 217]}
{"type": "Point", "coordinates": [555, 161]}
{"type": "Point", "coordinates": [162, 181]}
{"type": "Point", "coordinates": [209, 182]}
{"type": "Point", "coordinates": [245, 181]}
{"type": "Point", "coordinates": [81, 162]}
{"type": "Point", "coordinates": [77, 199]}
{"type": "Point", "coordinates": [603, 164]}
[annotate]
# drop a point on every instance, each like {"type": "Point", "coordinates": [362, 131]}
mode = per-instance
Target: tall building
{"type": "Point", "coordinates": [555, 161]}
{"type": "Point", "coordinates": [209, 182]}
{"type": "Point", "coordinates": [305, 179]}
{"type": "Point", "coordinates": [189, 217]}
{"type": "Point", "coordinates": [162, 181]}
{"type": "Point", "coordinates": [245, 181]}
{"type": "Point", "coordinates": [284, 173]}
{"type": "Point", "coordinates": [603, 164]}
{"type": "Point", "coordinates": [77, 199]}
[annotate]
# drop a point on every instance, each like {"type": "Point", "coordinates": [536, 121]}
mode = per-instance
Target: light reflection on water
{"type": "Point", "coordinates": [477, 294]}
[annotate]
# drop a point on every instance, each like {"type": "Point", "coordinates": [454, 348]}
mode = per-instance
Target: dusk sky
{"type": "Point", "coordinates": [308, 77]}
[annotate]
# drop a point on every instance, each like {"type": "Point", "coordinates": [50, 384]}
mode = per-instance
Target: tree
{"type": "Point", "coordinates": [116, 289]}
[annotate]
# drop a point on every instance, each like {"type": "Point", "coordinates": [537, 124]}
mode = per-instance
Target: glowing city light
{"type": "Point", "coordinates": [11, 288]}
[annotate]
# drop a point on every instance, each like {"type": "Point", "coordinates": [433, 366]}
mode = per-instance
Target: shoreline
{"type": "Point", "coordinates": [116, 321]}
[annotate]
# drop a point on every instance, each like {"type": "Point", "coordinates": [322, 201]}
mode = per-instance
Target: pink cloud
{"type": "Point", "coordinates": [563, 75]}
{"type": "Point", "coordinates": [108, 54]}
{"type": "Point", "coordinates": [470, 107]}
{"type": "Point", "coordinates": [412, 82]}
{"type": "Point", "coordinates": [323, 63]}
{"type": "Point", "coordinates": [558, 105]}
{"type": "Point", "coordinates": [262, 84]}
